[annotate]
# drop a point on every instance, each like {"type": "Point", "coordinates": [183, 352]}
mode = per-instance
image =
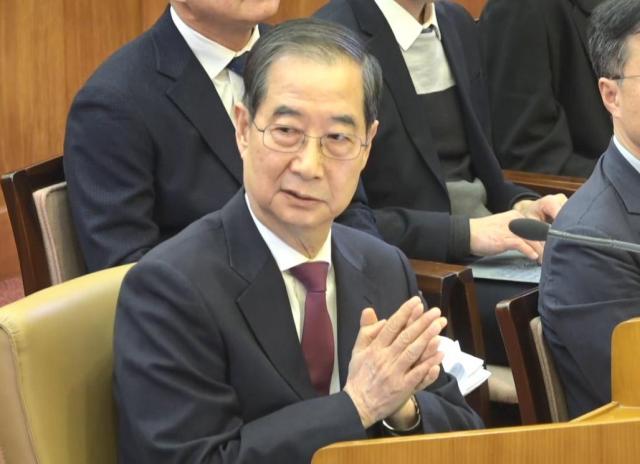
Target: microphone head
{"type": "Point", "coordinates": [530, 229]}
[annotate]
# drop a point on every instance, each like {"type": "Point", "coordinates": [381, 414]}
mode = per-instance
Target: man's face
{"type": "Point", "coordinates": [300, 193]}
{"type": "Point", "coordinates": [624, 100]}
{"type": "Point", "coordinates": [247, 12]}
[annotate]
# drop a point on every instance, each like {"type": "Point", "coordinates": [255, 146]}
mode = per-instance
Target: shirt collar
{"type": "Point", "coordinates": [405, 28]}
{"type": "Point", "coordinates": [287, 257]}
{"type": "Point", "coordinates": [213, 57]}
{"type": "Point", "coordinates": [633, 161]}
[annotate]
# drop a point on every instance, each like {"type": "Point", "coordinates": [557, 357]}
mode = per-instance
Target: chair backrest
{"type": "Point", "coordinates": [552, 384]}
{"type": "Point", "coordinates": [530, 361]}
{"type": "Point", "coordinates": [56, 370]}
{"type": "Point", "coordinates": [41, 221]}
{"type": "Point", "coordinates": [61, 246]}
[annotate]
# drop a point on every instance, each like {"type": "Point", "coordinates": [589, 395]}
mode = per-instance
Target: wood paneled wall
{"type": "Point", "coordinates": [48, 48]}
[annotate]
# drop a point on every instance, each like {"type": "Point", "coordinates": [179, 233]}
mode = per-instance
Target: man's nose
{"type": "Point", "coordinates": [309, 160]}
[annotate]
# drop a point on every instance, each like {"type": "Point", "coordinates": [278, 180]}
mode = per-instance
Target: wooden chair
{"type": "Point", "coordinates": [47, 247]}
{"type": "Point", "coordinates": [544, 184]}
{"type": "Point", "coordinates": [451, 288]}
{"type": "Point", "coordinates": [540, 393]}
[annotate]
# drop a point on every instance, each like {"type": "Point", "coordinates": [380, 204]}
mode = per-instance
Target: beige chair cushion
{"type": "Point", "coordinates": [60, 242]}
{"type": "Point", "coordinates": [502, 388]}
{"type": "Point", "coordinates": [553, 387]}
{"type": "Point", "coordinates": [56, 373]}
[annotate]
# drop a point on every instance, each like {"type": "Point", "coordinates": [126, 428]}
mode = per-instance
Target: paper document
{"type": "Point", "coordinates": [468, 370]}
{"type": "Point", "coordinates": [511, 265]}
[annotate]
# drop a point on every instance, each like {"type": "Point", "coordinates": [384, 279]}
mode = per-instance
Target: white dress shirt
{"type": "Point", "coordinates": [286, 258]}
{"type": "Point", "coordinates": [214, 58]}
{"type": "Point", "coordinates": [421, 47]}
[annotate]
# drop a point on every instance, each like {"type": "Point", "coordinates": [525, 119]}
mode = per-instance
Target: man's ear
{"type": "Point", "coordinates": [371, 133]}
{"type": "Point", "coordinates": [243, 127]}
{"type": "Point", "coordinates": [610, 93]}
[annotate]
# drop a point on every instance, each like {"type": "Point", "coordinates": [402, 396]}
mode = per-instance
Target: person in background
{"type": "Point", "coordinates": [546, 111]}
{"type": "Point", "coordinates": [586, 291]}
{"type": "Point", "coordinates": [150, 144]}
{"type": "Point", "coordinates": [264, 331]}
{"type": "Point", "coordinates": [433, 180]}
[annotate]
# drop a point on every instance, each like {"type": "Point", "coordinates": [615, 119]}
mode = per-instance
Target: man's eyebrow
{"type": "Point", "coordinates": [344, 119]}
{"type": "Point", "coordinates": [284, 110]}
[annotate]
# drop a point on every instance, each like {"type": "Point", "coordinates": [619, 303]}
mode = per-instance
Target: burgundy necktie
{"type": "Point", "coordinates": [317, 333]}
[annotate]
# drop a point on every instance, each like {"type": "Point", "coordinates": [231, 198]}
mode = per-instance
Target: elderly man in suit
{"type": "Point", "coordinates": [150, 141]}
{"type": "Point", "coordinates": [546, 111]}
{"type": "Point", "coordinates": [264, 331]}
{"type": "Point", "coordinates": [586, 291]}
{"type": "Point", "coordinates": [433, 180]}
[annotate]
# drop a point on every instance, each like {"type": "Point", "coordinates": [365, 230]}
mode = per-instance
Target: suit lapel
{"type": "Point", "coordinates": [580, 13]}
{"type": "Point", "coordinates": [453, 50]}
{"type": "Point", "coordinates": [354, 293]}
{"type": "Point", "coordinates": [383, 45]}
{"type": "Point", "coordinates": [264, 302]}
{"type": "Point", "coordinates": [194, 94]}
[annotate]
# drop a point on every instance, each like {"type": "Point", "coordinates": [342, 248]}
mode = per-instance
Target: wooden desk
{"type": "Point", "coordinates": [608, 435]}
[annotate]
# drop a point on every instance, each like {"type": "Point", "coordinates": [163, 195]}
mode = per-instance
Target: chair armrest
{"type": "Point", "coordinates": [544, 184]}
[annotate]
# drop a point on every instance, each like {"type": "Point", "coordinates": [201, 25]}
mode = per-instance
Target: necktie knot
{"type": "Point", "coordinates": [237, 63]}
{"type": "Point", "coordinates": [313, 275]}
{"type": "Point", "coordinates": [428, 30]}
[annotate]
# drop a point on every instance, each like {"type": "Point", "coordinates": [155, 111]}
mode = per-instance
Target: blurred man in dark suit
{"type": "Point", "coordinates": [433, 180]}
{"type": "Point", "coordinates": [586, 291]}
{"type": "Point", "coordinates": [546, 111]}
{"type": "Point", "coordinates": [150, 141]}
{"type": "Point", "coordinates": [245, 338]}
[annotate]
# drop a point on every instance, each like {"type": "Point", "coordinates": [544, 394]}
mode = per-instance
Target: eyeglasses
{"type": "Point", "coordinates": [621, 78]}
{"type": "Point", "coordinates": [288, 139]}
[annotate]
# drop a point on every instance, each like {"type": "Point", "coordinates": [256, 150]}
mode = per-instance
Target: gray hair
{"type": "Point", "coordinates": [612, 23]}
{"type": "Point", "coordinates": [317, 40]}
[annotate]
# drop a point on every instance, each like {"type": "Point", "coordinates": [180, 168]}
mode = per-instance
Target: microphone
{"type": "Point", "coordinates": [530, 229]}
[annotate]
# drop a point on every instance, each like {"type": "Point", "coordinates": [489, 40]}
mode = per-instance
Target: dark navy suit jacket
{"type": "Point", "coordinates": [404, 179]}
{"type": "Point", "coordinates": [547, 114]}
{"type": "Point", "coordinates": [586, 291]}
{"type": "Point", "coordinates": [208, 365]}
{"type": "Point", "coordinates": [150, 148]}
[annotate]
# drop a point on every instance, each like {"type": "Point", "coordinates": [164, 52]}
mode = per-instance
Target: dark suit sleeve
{"type": "Point", "coordinates": [109, 167]}
{"type": "Point", "coordinates": [175, 398]}
{"type": "Point", "coordinates": [442, 406]}
{"type": "Point", "coordinates": [530, 128]}
{"type": "Point", "coordinates": [585, 292]}
{"type": "Point", "coordinates": [419, 234]}
{"type": "Point", "coordinates": [359, 215]}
